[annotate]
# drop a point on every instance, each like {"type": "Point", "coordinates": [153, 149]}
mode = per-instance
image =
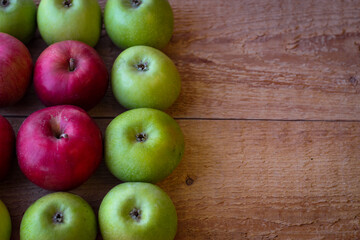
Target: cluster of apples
{"type": "Point", "coordinates": [59, 147]}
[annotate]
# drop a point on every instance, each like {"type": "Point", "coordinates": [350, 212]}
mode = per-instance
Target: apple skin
{"type": "Point", "coordinates": [150, 23]}
{"type": "Point", "coordinates": [132, 160]}
{"type": "Point", "coordinates": [157, 86]}
{"type": "Point", "coordinates": [42, 220]}
{"type": "Point", "coordinates": [58, 148]}
{"type": "Point", "coordinates": [18, 18]}
{"type": "Point", "coordinates": [157, 217]}
{"type": "Point", "coordinates": [80, 21]}
{"type": "Point", "coordinates": [7, 146]}
{"type": "Point", "coordinates": [58, 82]}
{"type": "Point", "coordinates": [15, 69]}
{"type": "Point", "coordinates": [5, 222]}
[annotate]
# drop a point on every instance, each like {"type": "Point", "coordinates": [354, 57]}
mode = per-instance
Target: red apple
{"type": "Point", "coordinates": [58, 148]}
{"type": "Point", "coordinates": [70, 72]}
{"type": "Point", "coordinates": [15, 69]}
{"type": "Point", "coordinates": [7, 144]}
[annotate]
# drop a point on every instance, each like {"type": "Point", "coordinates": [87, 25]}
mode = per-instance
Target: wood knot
{"type": "Point", "coordinates": [354, 81]}
{"type": "Point", "coordinates": [189, 181]}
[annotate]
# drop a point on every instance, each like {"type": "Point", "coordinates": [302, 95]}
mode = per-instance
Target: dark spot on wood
{"type": "Point", "coordinates": [357, 44]}
{"type": "Point", "coordinates": [223, 40]}
{"type": "Point", "coordinates": [354, 81]}
{"type": "Point", "coordinates": [243, 234]}
{"type": "Point", "coordinates": [189, 181]}
{"type": "Point", "coordinates": [204, 60]}
{"type": "Point", "coordinates": [200, 60]}
{"type": "Point", "coordinates": [311, 158]}
{"type": "Point", "coordinates": [195, 59]}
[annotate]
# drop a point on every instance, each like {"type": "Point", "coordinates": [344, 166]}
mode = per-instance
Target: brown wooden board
{"type": "Point", "coordinates": [270, 109]}
{"type": "Point", "coordinates": [245, 179]}
{"type": "Point", "coordinates": [253, 60]}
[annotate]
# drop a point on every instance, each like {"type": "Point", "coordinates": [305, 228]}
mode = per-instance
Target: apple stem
{"type": "Point", "coordinates": [136, 3]}
{"type": "Point", "coordinates": [67, 3]}
{"type": "Point", "coordinates": [142, 66]}
{"type": "Point", "coordinates": [58, 218]}
{"type": "Point", "coordinates": [136, 214]}
{"type": "Point", "coordinates": [141, 137]}
{"type": "Point", "coordinates": [64, 135]}
{"type": "Point", "coordinates": [72, 65]}
{"type": "Point", "coordinates": [189, 181]}
{"type": "Point", "coordinates": [5, 3]}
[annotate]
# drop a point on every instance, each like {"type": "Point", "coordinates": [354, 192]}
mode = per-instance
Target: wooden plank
{"type": "Point", "coordinates": [250, 180]}
{"type": "Point", "coordinates": [253, 60]}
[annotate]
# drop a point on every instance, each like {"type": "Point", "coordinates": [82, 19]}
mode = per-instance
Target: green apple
{"type": "Point", "coordinates": [145, 77]}
{"type": "Point", "coordinates": [139, 22]}
{"type": "Point", "coordinates": [60, 20]}
{"type": "Point", "coordinates": [59, 216]}
{"type": "Point", "coordinates": [143, 145]}
{"type": "Point", "coordinates": [18, 18]}
{"type": "Point", "coordinates": [135, 211]}
{"type": "Point", "coordinates": [5, 222]}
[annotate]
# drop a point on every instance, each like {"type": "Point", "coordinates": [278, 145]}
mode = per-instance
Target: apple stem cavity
{"type": "Point", "coordinates": [67, 3]}
{"type": "Point", "coordinates": [141, 137]}
{"type": "Point", "coordinates": [72, 65]}
{"type": "Point", "coordinates": [56, 130]}
{"type": "Point", "coordinates": [61, 135]}
{"type": "Point", "coordinates": [142, 66]}
{"type": "Point", "coordinates": [64, 135]}
{"type": "Point", "coordinates": [58, 218]}
{"type": "Point", "coordinates": [135, 3]}
{"type": "Point", "coordinates": [5, 3]}
{"type": "Point", "coordinates": [136, 214]}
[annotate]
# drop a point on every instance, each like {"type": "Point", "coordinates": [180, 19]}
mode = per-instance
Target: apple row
{"type": "Point", "coordinates": [58, 148]}
{"type": "Point", "coordinates": [128, 22]}
{"type": "Point", "coordinates": [126, 207]}
{"type": "Point", "coordinates": [71, 72]}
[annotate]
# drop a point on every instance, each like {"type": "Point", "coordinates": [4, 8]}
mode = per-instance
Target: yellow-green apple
{"type": "Point", "coordinates": [143, 145]}
{"type": "Point", "coordinates": [58, 148]}
{"type": "Point", "coordinates": [60, 20]}
{"type": "Point", "coordinates": [59, 216]}
{"type": "Point", "coordinates": [18, 18]}
{"type": "Point", "coordinates": [139, 22]}
{"type": "Point", "coordinates": [70, 72]}
{"type": "Point", "coordinates": [15, 69]}
{"type": "Point", "coordinates": [137, 211]}
{"type": "Point", "coordinates": [7, 146]}
{"type": "Point", "coordinates": [145, 77]}
{"type": "Point", "coordinates": [5, 222]}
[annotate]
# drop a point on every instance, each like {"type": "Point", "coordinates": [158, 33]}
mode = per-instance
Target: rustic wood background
{"type": "Point", "coordinates": [270, 110]}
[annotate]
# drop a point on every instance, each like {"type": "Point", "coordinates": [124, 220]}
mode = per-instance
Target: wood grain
{"type": "Point", "coordinates": [247, 180]}
{"type": "Point", "coordinates": [253, 60]}
{"type": "Point", "coordinates": [271, 116]}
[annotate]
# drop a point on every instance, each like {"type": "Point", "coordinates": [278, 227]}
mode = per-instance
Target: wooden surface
{"type": "Point", "coordinates": [270, 110]}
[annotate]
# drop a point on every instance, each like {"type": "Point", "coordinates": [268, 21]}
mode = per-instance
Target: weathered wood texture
{"type": "Point", "coordinates": [254, 60]}
{"type": "Point", "coordinates": [245, 65]}
{"type": "Point", "coordinates": [251, 180]}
